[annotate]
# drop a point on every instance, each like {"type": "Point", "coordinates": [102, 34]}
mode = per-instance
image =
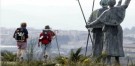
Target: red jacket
{"type": "Point", "coordinates": [45, 40]}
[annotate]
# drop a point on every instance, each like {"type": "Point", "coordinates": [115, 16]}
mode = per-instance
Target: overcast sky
{"type": "Point", "coordinates": [59, 14]}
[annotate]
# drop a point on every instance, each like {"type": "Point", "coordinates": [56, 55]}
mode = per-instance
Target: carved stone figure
{"type": "Point", "coordinates": [113, 33]}
{"type": "Point", "coordinates": [97, 45]}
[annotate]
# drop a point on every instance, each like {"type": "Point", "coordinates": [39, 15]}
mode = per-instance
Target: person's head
{"type": "Point", "coordinates": [111, 3]}
{"type": "Point", "coordinates": [23, 24]}
{"type": "Point", "coordinates": [47, 27]}
{"type": "Point", "coordinates": [104, 3]}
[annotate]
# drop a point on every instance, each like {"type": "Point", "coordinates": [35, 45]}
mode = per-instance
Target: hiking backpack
{"type": "Point", "coordinates": [46, 36]}
{"type": "Point", "coordinates": [20, 35]}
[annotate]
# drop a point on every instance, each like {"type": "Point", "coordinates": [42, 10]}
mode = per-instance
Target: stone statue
{"type": "Point", "coordinates": [97, 31]}
{"type": "Point", "coordinates": [113, 33]}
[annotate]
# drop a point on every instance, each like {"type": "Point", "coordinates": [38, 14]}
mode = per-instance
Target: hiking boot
{"type": "Point", "coordinates": [45, 56]}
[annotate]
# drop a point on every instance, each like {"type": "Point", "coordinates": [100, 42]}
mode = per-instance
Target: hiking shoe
{"type": "Point", "coordinates": [45, 56]}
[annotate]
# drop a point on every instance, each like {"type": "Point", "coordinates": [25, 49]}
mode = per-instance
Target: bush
{"type": "Point", "coordinates": [7, 56]}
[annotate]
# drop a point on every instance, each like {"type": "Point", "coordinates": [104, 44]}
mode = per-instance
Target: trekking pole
{"type": "Point", "coordinates": [57, 45]}
{"type": "Point", "coordinates": [89, 35]}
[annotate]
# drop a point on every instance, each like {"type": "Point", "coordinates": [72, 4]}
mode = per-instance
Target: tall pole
{"type": "Point", "coordinates": [57, 45]}
{"type": "Point", "coordinates": [82, 12]}
{"type": "Point", "coordinates": [89, 35]}
{"type": "Point", "coordinates": [91, 18]}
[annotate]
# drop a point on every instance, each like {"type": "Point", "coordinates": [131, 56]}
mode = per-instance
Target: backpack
{"type": "Point", "coordinates": [46, 37]}
{"type": "Point", "coordinates": [19, 35]}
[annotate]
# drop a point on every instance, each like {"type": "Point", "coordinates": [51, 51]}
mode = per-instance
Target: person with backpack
{"type": "Point", "coordinates": [21, 36]}
{"type": "Point", "coordinates": [45, 39]}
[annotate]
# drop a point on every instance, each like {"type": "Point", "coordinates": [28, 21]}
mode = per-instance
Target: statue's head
{"type": "Point", "coordinates": [111, 3]}
{"type": "Point", "coordinates": [104, 3]}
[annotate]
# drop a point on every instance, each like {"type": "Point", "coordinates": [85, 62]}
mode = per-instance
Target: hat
{"type": "Point", "coordinates": [47, 27]}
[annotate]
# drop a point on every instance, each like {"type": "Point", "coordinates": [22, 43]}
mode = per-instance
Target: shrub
{"type": "Point", "coordinates": [7, 55]}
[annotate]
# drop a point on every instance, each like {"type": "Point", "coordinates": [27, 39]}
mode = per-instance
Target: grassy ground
{"type": "Point", "coordinates": [37, 63]}
{"type": "Point", "coordinates": [74, 59]}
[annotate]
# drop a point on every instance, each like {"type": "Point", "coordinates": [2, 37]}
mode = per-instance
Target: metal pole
{"type": "Point", "coordinates": [87, 41]}
{"type": "Point", "coordinates": [89, 35]}
{"type": "Point", "coordinates": [82, 12]}
{"type": "Point", "coordinates": [57, 45]}
{"type": "Point", "coordinates": [91, 18]}
{"type": "Point", "coordinates": [93, 5]}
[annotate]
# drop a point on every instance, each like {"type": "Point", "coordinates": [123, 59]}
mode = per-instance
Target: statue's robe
{"type": "Point", "coordinates": [97, 45]}
{"type": "Point", "coordinates": [113, 33]}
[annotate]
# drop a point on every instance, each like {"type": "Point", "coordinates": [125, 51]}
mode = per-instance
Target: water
{"type": "Point", "coordinates": [8, 48]}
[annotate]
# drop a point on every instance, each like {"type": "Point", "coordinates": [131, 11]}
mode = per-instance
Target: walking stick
{"type": "Point", "coordinates": [89, 35]}
{"type": "Point", "coordinates": [57, 45]}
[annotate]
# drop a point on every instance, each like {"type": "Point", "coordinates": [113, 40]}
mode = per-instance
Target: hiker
{"type": "Point", "coordinates": [45, 38]}
{"type": "Point", "coordinates": [113, 33]}
{"type": "Point", "coordinates": [21, 36]}
{"type": "Point", "coordinates": [97, 30]}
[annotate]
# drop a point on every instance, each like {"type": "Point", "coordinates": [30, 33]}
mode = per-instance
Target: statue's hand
{"type": "Point", "coordinates": [119, 2]}
{"type": "Point", "coordinates": [92, 24]}
{"type": "Point", "coordinates": [87, 26]}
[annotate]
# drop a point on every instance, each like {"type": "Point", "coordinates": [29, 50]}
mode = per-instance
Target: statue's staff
{"type": "Point", "coordinates": [89, 35]}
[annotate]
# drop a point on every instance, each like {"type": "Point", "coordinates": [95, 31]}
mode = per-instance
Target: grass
{"type": "Point", "coordinates": [32, 63]}
{"type": "Point", "coordinates": [74, 59]}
